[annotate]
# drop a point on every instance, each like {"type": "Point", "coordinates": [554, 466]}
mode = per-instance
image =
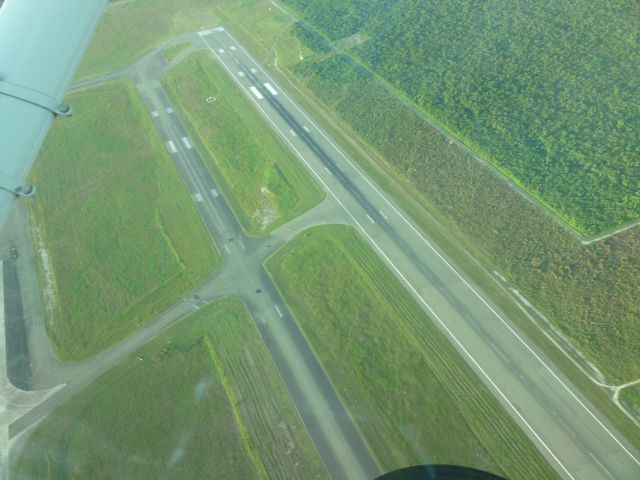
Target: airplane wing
{"type": "Point", "coordinates": [41, 45]}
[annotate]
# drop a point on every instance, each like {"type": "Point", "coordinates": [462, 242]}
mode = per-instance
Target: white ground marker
{"type": "Point", "coordinates": [172, 146]}
{"type": "Point", "coordinates": [198, 198]}
{"type": "Point", "coordinates": [232, 48]}
{"type": "Point", "coordinates": [202, 33]}
{"type": "Point", "coordinates": [169, 110]}
{"type": "Point", "coordinates": [279, 312]}
{"type": "Point", "coordinates": [272, 90]}
{"type": "Point", "coordinates": [306, 129]}
{"type": "Point", "coordinates": [214, 193]}
{"type": "Point", "coordinates": [187, 143]}
{"type": "Point", "coordinates": [241, 74]}
{"type": "Point", "coordinates": [253, 70]}
{"type": "Point", "coordinates": [256, 92]}
{"type": "Point", "coordinates": [221, 50]}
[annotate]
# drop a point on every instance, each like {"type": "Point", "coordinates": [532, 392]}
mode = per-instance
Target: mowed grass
{"type": "Point", "coordinates": [127, 30]}
{"type": "Point", "coordinates": [408, 391]}
{"type": "Point", "coordinates": [205, 401]}
{"type": "Point", "coordinates": [263, 181]}
{"type": "Point", "coordinates": [174, 50]}
{"type": "Point", "coordinates": [122, 234]}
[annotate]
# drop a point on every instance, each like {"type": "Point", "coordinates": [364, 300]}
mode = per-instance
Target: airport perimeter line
{"type": "Point", "coordinates": [504, 322]}
{"type": "Point", "coordinates": [424, 302]}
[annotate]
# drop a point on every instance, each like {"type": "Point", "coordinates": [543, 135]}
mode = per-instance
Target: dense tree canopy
{"type": "Point", "coordinates": [546, 90]}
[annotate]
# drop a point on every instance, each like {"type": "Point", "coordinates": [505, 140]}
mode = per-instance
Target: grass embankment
{"type": "Point", "coordinates": [127, 31]}
{"type": "Point", "coordinates": [205, 401]}
{"type": "Point", "coordinates": [264, 183]}
{"type": "Point", "coordinates": [123, 237]}
{"type": "Point", "coordinates": [409, 392]}
{"type": "Point", "coordinates": [174, 50]}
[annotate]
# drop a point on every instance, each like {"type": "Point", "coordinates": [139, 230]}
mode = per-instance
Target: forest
{"type": "Point", "coordinates": [545, 91]}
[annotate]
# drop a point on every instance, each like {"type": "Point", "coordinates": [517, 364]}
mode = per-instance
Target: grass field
{"type": "Point", "coordinates": [630, 397]}
{"type": "Point", "coordinates": [409, 392]}
{"type": "Point", "coordinates": [122, 234]}
{"type": "Point", "coordinates": [205, 401]}
{"type": "Point", "coordinates": [128, 30]}
{"type": "Point", "coordinates": [175, 50]}
{"type": "Point", "coordinates": [264, 183]}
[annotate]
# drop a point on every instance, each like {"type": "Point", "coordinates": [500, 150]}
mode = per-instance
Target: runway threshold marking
{"type": "Point", "coordinates": [256, 92]}
{"type": "Point", "coordinates": [401, 275]}
{"type": "Point", "coordinates": [279, 312]}
{"type": "Point", "coordinates": [172, 146]}
{"type": "Point", "coordinates": [155, 114]}
{"type": "Point", "coordinates": [502, 320]}
{"type": "Point", "coordinates": [202, 33]}
{"type": "Point", "coordinates": [187, 143]}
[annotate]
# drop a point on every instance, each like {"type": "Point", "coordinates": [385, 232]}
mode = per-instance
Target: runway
{"type": "Point", "coordinates": [572, 435]}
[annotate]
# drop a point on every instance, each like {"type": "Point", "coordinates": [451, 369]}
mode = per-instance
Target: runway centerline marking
{"type": "Point", "coordinates": [279, 312]}
{"type": "Point", "coordinates": [370, 219]}
{"type": "Point", "coordinates": [601, 466]}
{"type": "Point", "coordinates": [384, 198]}
{"type": "Point", "coordinates": [328, 171]}
{"type": "Point", "coordinates": [383, 215]}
